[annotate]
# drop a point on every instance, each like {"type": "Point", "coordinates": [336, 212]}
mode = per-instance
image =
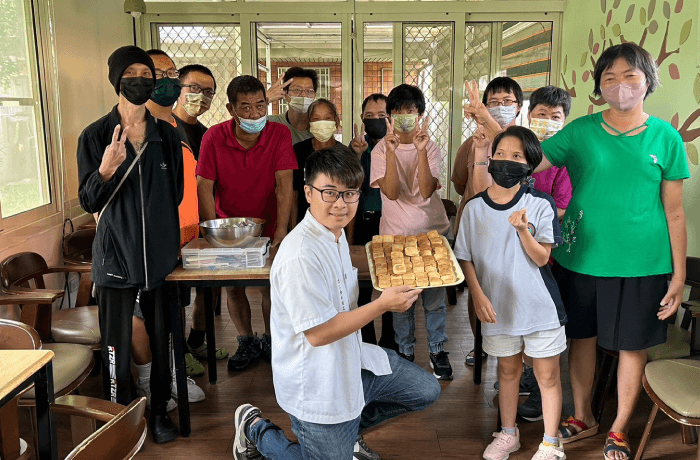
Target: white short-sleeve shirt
{"type": "Point", "coordinates": [312, 280]}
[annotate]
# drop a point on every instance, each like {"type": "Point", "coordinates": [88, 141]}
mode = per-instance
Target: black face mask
{"type": "Point", "coordinates": [375, 127]}
{"type": "Point", "coordinates": [137, 90]}
{"type": "Point", "coordinates": [507, 173]}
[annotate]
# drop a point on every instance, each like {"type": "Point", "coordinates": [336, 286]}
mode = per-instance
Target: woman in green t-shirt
{"type": "Point", "coordinates": [624, 232]}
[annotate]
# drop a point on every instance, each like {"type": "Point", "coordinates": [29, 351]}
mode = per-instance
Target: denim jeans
{"type": "Point", "coordinates": [434, 310]}
{"type": "Point", "coordinates": [408, 388]}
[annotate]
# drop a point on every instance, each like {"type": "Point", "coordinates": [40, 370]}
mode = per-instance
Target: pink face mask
{"type": "Point", "coordinates": [624, 97]}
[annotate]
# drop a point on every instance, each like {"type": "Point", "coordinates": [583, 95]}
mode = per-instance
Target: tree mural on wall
{"type": "Point", "coordinates": [650, 19]}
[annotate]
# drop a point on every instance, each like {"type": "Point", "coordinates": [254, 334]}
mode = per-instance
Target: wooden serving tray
{"type": "Point", "coordinates": [459, 275]}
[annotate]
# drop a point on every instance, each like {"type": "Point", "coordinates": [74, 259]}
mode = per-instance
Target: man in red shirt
{"type": "Point", "coordinates": [250, 160]}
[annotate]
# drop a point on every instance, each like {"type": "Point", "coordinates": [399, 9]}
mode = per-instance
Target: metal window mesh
{"type": "Point", "coordinates": [427, 60]}
{"type": "Point", "coordinates": [217, 47]}
{"type": "Point", "coordinates": [477, 66]}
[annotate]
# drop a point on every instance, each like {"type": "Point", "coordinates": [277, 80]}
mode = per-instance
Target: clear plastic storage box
{"type": "Point", "coordinates": [199, 254]}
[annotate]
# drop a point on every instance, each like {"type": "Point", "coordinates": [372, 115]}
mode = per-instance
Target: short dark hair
{"type": "Point", "coordinates": [551, 96]}
{"type": "Point", "coordinates": [505, 85]}
{"type": "Point", "coordinates": [532, 147]}
{"type": "Point", "coordinates": [243, 84]}
{"type": "Point", "coordinates": [325, 102]}
{"type": "Point", "coordinates": [157, 52]}
{"type": "Point", "coordinates": [376, 97]}
{"type": "Point", "coordinates": [339, 164]}
{"type": "Point", "coordinates": [300, 72]}
{"type": "Point", "coordinates": [190, 68]}
{"type": "Point", "coordinates": [636, 56]}
{"type": "Point", "coordinates": [405, 97]}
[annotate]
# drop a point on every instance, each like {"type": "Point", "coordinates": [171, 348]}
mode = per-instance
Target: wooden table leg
{"type": "Point", "coordinates": [46, 426]}
{"type": "Point", "coordinates": [211, 339]}
{"type": "Point", "coordinates": [9, 430]}
{"type": "Point", "coordinates": [183, 403]}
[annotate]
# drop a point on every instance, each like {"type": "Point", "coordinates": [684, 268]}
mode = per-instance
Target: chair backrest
{"type": "Point", "coordinates": [20, 265]}
{"type": "Point", "coordinates": [692, 276]}
{"type": "Point", "coordinates": [77, 246]}
{"type": "Point", "coordinates": [18, 336]}
{"type": "Point", "coordinates": [119, 439]}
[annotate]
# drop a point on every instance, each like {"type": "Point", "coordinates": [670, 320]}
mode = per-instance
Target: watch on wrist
{"type": "Point", "coordinates": [481, 163]}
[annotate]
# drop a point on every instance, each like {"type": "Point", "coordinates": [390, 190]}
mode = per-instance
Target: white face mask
{"type": "Point", "coordinates": [544, 129]}
{"type": "Point", "coordinates": [300, 104]}
{"type": "Point", "coordinates": [504, 114]}
{"type": "Point", "coordinates": [196, 104]}
{"type": "Point", "coordinates": [322, 130]}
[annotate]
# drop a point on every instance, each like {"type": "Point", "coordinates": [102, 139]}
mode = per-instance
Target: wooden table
{"type": "Point", "coordinates": [18, 370]}
{"type": "Point", "coordinates": [226, 278]}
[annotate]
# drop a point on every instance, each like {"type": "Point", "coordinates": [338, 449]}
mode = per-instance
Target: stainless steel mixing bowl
{"type": "Point", "coordinates": [232, 232]}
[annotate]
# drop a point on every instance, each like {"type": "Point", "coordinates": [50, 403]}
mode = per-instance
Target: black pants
{"type": "Point", "coordinates": [116, 307]}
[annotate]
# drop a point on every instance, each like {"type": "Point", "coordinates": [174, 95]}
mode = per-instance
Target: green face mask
{"type": "Point", "coordinates": [405, 122]}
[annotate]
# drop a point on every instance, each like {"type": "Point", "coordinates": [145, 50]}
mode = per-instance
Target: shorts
{"type": "Point", "coordinates": [620, 311]}
{"type": "Point", "coordinates": [541, 344]}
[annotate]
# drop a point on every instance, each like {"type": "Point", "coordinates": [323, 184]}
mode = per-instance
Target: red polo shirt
{"type": "Point", "coordinates": [245, 179]}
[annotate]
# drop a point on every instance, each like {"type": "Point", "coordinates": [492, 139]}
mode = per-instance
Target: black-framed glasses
{"type": "Point", "coordinates": [507, 103]}
{"type": "Point", "coordinates": [199, 90]}
{"type": "Point", "coordinates": [302, 92]}
{"type": "Point", "coordinates": [331, 196]}
{"type": "Point", "coordinates": [172, 73]}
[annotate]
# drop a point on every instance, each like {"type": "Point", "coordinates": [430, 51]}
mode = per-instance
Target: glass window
{"type": "Point", "coordinates": [24, 166]}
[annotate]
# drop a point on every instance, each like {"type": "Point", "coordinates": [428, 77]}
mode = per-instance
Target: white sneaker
{"type": "Point", "coordinates": [550, 453]}
{"type": "Point", "coordinates": [143, 388]}
{"type": "Point", "coordinates": [194, 393]}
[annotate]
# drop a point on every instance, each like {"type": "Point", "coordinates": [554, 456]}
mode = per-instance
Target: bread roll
{"type": "Point", "coordinates": [441, 250]}
{"type": "Point", "coordinates": [411, 244]}
{"type": "Point", "coordinates": [399, 269]}
{"type": "Point", "coordinates": [433, 234]}
{"type": "Point", "coordinates": [422, 282]}
{"type": "Point", "coordinates": [426, 253]}
{"type": "Point", "coordinates": [411, 283]}
{"type": "Point", "coordinates": [440, 256]}
{"type": "Point", "coordinates": [421, 235]}
{"type": "Point", "coordinates": [430, 269]}
{"type": "Point", "coordinates": [397, 247]}
{"type": "Point", "coordinates": [398, 255]}
{"type": "Point", "coordinates": [377, 239]}
{"type": "Point", "coordinates": [408, 276]}
{"type": "Point", "coordinates": [436, 282]}
{"type": "Point", "coordinates": [411, 238]}
{"type": "Point", "coordinates": [417, 260]}
{"type": "Point", "coordinates": [412, 251]}
{"type": "Point", "coordinates": [418, 269]}
{"type": "Point", "coordinates": [383, 284]}
{"type": "Point", "coordinates": [447, 279]}
{"type": "Point", "coordinates": [429, 260]}
{"type": "Point", "coordinates": [399, 239]}
{"type": "Point", "coordinates": [388, 238]}
{"type": "Point", "coordinates": [395, 283]}
{"type": "Point", "coordinates": [387, 245]}
{"type": "Point", "coordinates": [383, 277]}
{"type": "Point", "coordinates": [436, 241]}
{"type": "Point", "coordinates": [409, 267]}
{"type": "Point", "coordinates": [380, 259]}
{"type": "Point", "coordinates": [382, 269]}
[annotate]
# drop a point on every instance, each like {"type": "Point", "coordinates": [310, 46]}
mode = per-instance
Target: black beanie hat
{"type": "Point", "coordinates": [122, 58]}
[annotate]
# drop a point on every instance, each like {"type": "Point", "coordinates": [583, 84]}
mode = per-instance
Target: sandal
{"type": "Point", "coordinates": [575, 430]}
{"type": "Point", "coordinates": [617, 442]}
{"type": "Point", "coordinates": [469, 361]}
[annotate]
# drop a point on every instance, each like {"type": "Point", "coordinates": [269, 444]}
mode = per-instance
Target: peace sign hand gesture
{"type": "Point", "coordinates": [391, 139]}
{"type": "Point", "coordinates": [420, 140]}
{"type": "Point", "coordinates": [359, 144]}
{"type": "Point", "coordinates": [276, 91]}
{"type": "Point", "coordinates": [476, 110]}
{"type": "Point", "coordinates": [114, 155]}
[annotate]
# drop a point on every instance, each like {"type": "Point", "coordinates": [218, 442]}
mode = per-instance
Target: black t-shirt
{"type": "Point", "coordinates": [195, 133]}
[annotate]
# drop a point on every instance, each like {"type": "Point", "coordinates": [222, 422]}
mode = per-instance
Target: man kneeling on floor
{"type": "Point", "coordinates": [330, 383]}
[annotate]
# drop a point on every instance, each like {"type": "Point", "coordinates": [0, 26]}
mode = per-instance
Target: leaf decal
{"type": "Point", "coordinates": [630, 13]}
{"type": "Point", "coordinates": [586, 75]}
{"type": "Point", "coordinates": [616, 30]}
{"type": "Point", "coordinates": [603, 5]}
{"type": "Point", "coordinates": [692, 152]}
{"type": "Point", "coordinates": [590, 40]}
{"type": "Point", "coordinates": [667, 10]}
{"type": "Point", "coordinates": [583, 59]}
{"type": "Point", "coordinates": [685, 31]}
{"type": "Point", "coordinates": [608, 19]}
{"type": "Point", "coordinates": [674, 121]}
{"type": "Point", "coordinates": [602, 32]}
{"type": "Point", "coordinates": [652, 7]}
{"type": "Point", "coordinates": [573, 77]}
{"type": "Point", "coordinates": [642, 16]}
{"type": "Point", "coordinates": [696, 88]}
{"type": "Point", "coordinates": [616, 3]}
{"type": "Point", "coordinates": [679, 6]}
{"type": "Point", "coordinates": [673, 71]}
{"type": "Point", "coordinates": [566, 58]}
{"type": "Point", "coordinates": [595, 48]}
{"type": "Point", "coordinates": [653, 27]}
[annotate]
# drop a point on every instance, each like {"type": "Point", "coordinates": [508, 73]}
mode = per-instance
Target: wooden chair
{"type": "Point", "coordinates": [119, 439]}
{"type": "Point", "coordinates": [681, 340]}
{"type": "Point", "coordinates": [451, 211]}
{"type": "Point", "coordinates": [672, 385]}
{"type": "Point", "coordinates": [70, 325]}
{"type": "Point", "coordinates": [71, 364]}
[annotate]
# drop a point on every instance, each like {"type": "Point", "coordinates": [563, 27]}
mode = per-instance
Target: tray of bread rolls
{"type": "Point", "coordinates": [420, 261]}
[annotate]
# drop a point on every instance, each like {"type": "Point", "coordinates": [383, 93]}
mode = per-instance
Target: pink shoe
{"type": "Point", "coordinates": [504, 445]}
{"type": "Point", "coordinates": [550, 453]}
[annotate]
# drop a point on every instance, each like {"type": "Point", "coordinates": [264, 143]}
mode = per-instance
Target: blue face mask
{"type": "Point", "coordinates": [251, 126]}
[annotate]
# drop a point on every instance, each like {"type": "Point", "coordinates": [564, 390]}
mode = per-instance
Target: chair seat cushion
{"type": "Point", "coordinates": [677, 345]}
{"type": "Point", "coordinates": [675, 382]}
{"type": "Point", "coordinates": [76, 325]}
{"type": "Point", "coordinates": [70, 362]}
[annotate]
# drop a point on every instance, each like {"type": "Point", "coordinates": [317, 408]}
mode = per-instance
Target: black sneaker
{"type": "Point", "coordinates": [528, 382]}
{"type": "Point", "coordinates": [266, 347]}
{"type": "Point", "coordinates": [362, 452]}
{"type": "Point", "coordinates": [410, 357]}
{"type": "Point", "coordinates": [469, 360]}
{"type": "Point", "coordinates": [244, 448]}
{"type": "Point", "coordinates": [441, 365]}
{"type": "Point", "coordinates": [531, 409]}
{"type": "Point", "coordinates": [248, 351]}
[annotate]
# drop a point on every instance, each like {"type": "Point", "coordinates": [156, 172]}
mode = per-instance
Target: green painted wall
{"type": "Point", "coordinates": [670, 31]}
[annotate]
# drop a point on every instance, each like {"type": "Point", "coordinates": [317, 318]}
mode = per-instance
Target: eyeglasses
{"type": "Point", "coordinates": [199, 90]}
{"type": "Point", "coordinates": [507, 103]}
{"type": "Point", "coordinates": [172, 73]}
{"type": "Point", "coordinates": [331, 196]}
{"type": "Point", "coordinates": [302, 92]}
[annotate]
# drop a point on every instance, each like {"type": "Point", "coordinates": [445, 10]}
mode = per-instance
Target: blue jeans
{"type": "Point", "coordinates": [434, 310]}
{"type": "Point", "coordinates": [408, 388]}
